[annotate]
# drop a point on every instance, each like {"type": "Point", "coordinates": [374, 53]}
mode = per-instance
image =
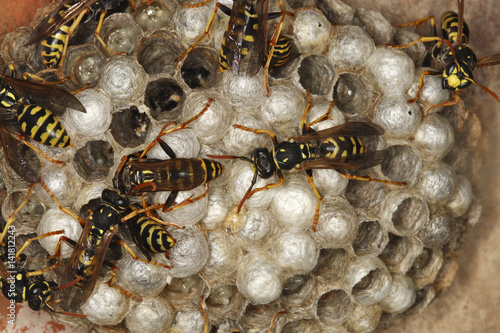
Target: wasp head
{"type": "Point", "coordinates": [39, 294]}
{"type": "Point", "coordinates": [457, 76]}
{"type": "Point", "coordinates": [263, 163]}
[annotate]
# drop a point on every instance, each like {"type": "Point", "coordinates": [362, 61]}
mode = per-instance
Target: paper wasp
{"type": "Point", "coordinates": [54, 32]}
{"type": "Point", "coordinates": [244, 43]}
{"type": "Point", "coordinates": [29, 101]}
{"type": "Point", "coordinates": [137, 174]}
{"type": "Point", "coordinates": [457, 58]}
{"type": "Point", "coordinates": [339, 148]}
{"type": "Point", "coordinates": [21, 285]}
{"type": "Point", "coordinates": [89, 252]}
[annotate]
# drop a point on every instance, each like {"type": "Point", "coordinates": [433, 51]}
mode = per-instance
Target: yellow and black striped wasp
{"type": "Point", "coordinates": [29, 103]}
{"type": "Point", "coordinates": [18, 284]}
{"type": "Point", "coordinates": [457, 58]}
{"type": "Point", "coordinates": [339, 148]}
{"type": "Point", "coordinates": [243, 49]}
{"type": "Point", "coordinates": [138, 174]}
{"type": "Point", "coordinates": [89, 251]}
{"type": "Point", "coordinates": [54, 32]}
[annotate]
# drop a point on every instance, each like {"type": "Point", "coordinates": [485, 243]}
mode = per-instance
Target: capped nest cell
{"type": "Point", "coordinates": [379, 248]}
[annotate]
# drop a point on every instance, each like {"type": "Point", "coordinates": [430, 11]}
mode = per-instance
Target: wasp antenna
{"type": "Point", "coordinates": [460, 21]}
{"type": "Point", "coordinates": [248, 194]}
{"type": "Point", "coordinates": [65, 313]}
{"type": "Point", "coordinates": [453, 53]}
{"type": "Point", "coordinates": [495, 96]}
{"type": "Point", "coordinates": [229, 157]}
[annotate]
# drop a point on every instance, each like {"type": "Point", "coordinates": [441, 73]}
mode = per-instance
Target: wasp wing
{"type": "Point", "coordinates": [357, 129]}
{"type": "Point", "coordinates": [60, 16]}
{"type": "Point", "coordinates": [244, 44]}
{"type": "Point", "coordinates": [355, 162]}
{"type": "Point", "coordinates": [489, 61]}
{"type": "Point", "coordinates": [76, 296]}
{"type": "Point", "coordinates": [15, 156]}
{"type": "Point", "coordinates": [44, 95]}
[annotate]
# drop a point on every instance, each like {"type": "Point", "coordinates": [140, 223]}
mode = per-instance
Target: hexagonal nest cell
{"type": "Point", "coordinates": [246, 253]}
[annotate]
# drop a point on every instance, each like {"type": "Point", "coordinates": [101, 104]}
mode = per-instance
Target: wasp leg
{"type": "Point", "coordinates": [57, 252]}
{"type": "Point", "coordinates": [65, 210]}
{"type": "Point", "coordinates": [30, 240]}
{"type": "Point", "coordinates": [165, 131]}
{"type": "Point", "coordinates": [421, 84]}
{"type": "Point", "coordinates": [111, 282]}
{"type": "Point", "coordinates": [369, 178]}
{"type": "Point", "coordinates": [205, 32]}
{"type": "Point", "coordinates": [71, 30]}
{"type": "Point", "coordinates": [419, 22]}
{"type": "Point", "coordinates": [274, 320]}
{"type": "Point", "coordinates": [272, 44]}
{"type": "Point", "coordinates": [251, 192]}
{"type": "Point", "coordinates": [318, 195]}
{"type": "Point", "coordinates": [10, 220]}
{"type": "Point", "coordinates": [97, 35]}
{"type": "Point", "coordinates": [20, 138]}
{"type": "Point", "coordinates": [142, 210]}
{"type": "Point", "coordinates": [132, 253]}
{"type": "Point", "coordinates": [148, 213]}
{"type": "Point", "coordinates": [196, 4]}
{"type": "Point", "coordinates": [421, 39]}
{"type": "Point", "coordinates": [190, 200]}
{"type": "Point", "coordinates": [200, 301]}
{"type": "Point", "coordinates": [454, 101]}
{"type": "Point", "coordinates": [258, 131]}
{"type": "Point", "coordinates": [36, 78]}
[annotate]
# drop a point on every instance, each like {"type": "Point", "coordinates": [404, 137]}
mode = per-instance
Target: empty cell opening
{"type": "Point", "coordinates": [402, 164]}
{"type": "Point", "coordinates": [334, 307]}
{"type": "Point", "coordinates": [130, 127]}
{"type": "Point", "coordinates": [316, 74]}
{"type": "Point", "coordinates": [351, 94]}
{"type": "Point", "coordinates": [395, 251]}
{"type": "Point", "coordinates": [157, 55]}
{"type": "Point", "coordinates": [410, 215]}
{"type": "Point", "coordinates": [94, 160]}
{"type": "Point", "coordinates": [364, 194]}
{"type": "Point", "coordinates": [370, 238]}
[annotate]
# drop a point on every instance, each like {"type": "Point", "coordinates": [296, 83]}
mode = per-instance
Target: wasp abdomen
{"type": "Point", "coordinates": [341, 147]}
{"type": "Point", "coordinates": [52, 47]}
{"type": "Point", "coordinates": [187, 173]}
{"type": "Point", "coordinates": [449, 28]}
{"type": "Point", "coordinates": [42, 126]}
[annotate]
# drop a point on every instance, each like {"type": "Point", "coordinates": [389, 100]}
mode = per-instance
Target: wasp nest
{"type": "Point", "coordinates": [378, 249]}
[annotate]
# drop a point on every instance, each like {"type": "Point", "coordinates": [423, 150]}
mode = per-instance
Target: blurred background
{"type": "Point", "coordinates": [471, 304]}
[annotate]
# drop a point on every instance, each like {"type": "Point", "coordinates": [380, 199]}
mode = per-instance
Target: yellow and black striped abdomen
{"type": "Point", "coordinates": [52, 47]}
{"type": "Point", "coordinates": [42, 126]}
{"type": "Point", "coordinates": [449, 28]}
{"type": "Point", "coordinates": [341, 147]}
{"type": "Point", "coordinates": [181, 174]}
{"type": "Point", "coordinates": [7, 98]}
{"type": "Point", "coordinates": [151, 236]}
{"type": "Point", "coordinates": [281, 54]}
